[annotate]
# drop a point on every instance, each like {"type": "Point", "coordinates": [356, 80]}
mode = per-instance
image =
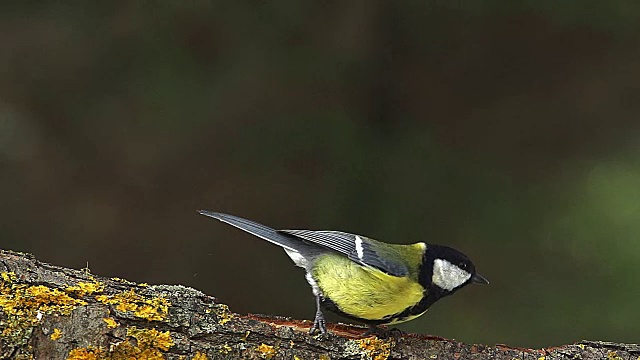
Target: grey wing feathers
{"type": "Point", "coordinates": [339, 241]}
{"type": "Point", "coordinates": [264, 232]}
{"type": "Point", "coordinates": [355, 247]}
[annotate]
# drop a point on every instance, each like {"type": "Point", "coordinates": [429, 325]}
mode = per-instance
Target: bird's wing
{"type": "Point", "coordinates": [264, 232]}
{"type": "Point", "coordinates": [357, 248]}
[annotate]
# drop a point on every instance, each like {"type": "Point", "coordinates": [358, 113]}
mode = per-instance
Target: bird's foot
{"type": "Point", "coordinates": [383, 333]}
{"type": "Point", "coordinates": [319, 325]}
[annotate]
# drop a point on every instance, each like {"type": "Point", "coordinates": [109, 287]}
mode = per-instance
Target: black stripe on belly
{"type": "Point", "coordinates": [419, 308]}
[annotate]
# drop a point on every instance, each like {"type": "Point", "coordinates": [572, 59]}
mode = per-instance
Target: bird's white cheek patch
{"type": "Point", "coordinates": [448, 276]}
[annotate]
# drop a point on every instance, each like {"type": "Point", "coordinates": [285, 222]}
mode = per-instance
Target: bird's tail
{"type": "Point", "coordinates": [288, 242]}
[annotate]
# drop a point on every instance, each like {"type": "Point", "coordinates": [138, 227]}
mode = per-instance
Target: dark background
{"type": "Point", "coordinates": [508, 130]}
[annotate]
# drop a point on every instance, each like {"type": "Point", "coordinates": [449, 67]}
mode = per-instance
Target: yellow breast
{"type": "Point", "coordinates": [364, 292]}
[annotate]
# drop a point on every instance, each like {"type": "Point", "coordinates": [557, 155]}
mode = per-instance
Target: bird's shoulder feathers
{"type": "Point", "coordinates": [388, 258]}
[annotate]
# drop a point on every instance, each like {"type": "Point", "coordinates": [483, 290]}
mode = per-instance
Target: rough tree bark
{"type": "Point", "coordinates": [50, 312]}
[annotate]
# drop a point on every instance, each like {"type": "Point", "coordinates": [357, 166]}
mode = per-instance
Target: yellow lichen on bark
{"type": "Point", "coordinates": [111, 323]}
{"type": "Point", "coordinates": [56, 334]}
{"type": "Point", "coordinates": [26, 305]}
{"type": "Point", "coordinates": [129, 301]}
{"type": "Point", "coordinates": [266, 351]}
{"type": "Point", "coordinates": [149, 344]}
{"type": "Point", "coordinates": [85, 288]}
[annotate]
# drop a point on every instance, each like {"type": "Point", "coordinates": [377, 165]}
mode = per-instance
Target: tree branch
{"type": "Point", "coordinates": [50, 312]}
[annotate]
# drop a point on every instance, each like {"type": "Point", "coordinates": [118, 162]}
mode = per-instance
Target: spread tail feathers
{"type": "Point", "coordinates": [264, 232]}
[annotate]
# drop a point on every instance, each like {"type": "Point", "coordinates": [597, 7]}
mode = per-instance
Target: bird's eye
{"type": "Point", "coordinates": [463, 266]}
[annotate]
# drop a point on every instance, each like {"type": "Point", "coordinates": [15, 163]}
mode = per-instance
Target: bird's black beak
{"type": "Point", "coordinates": [479, 279]}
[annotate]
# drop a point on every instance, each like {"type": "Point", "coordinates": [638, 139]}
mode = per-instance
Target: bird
{"type": "Point", "coordinates": [363, 279]}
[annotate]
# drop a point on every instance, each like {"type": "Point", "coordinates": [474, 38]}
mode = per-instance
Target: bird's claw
{"type": "Point", "coordinates": [319, 325]}
{"type": "Point", "coordinates": [383, 333]}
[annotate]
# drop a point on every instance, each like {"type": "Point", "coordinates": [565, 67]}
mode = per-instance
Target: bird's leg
{"type": "Point", "coordinates": [318, 323]}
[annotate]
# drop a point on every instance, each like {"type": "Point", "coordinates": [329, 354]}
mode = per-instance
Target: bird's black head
{"type": "Point", "coordinates": [446, 270]}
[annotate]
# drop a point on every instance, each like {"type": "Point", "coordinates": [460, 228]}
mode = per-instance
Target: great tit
{"type": "Point", "coordinates": [367, 280]}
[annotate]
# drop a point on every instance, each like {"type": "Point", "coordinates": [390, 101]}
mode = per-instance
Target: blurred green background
{"type": "Point", "coordinates": [508, 130]}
